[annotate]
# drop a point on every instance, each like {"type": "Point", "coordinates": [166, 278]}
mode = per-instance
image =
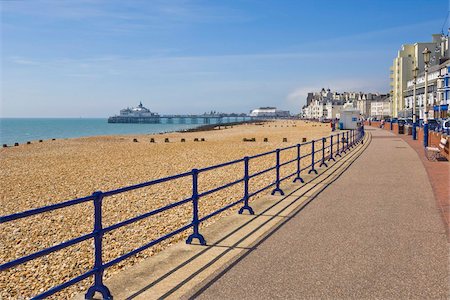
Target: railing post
{"type": "Point", "coordinates": [344, 146]}
{"type": "Point", "coordinates": [361, 134]}
{"type": "Point", "coordinates": [351, 138]}
{"type": "Point", "coordinates": [338, 151]}
{"type": "Point", "coordinates": [246, 179]}
{"type": "Point", "coordinates": [277, 188]}
{"type": "Point", "coordinates": [348, 140]}
{"type": "Point", "coordinates": [195, 221]}
{"type": "Point", "coordinates": [298, 166]}
{"type": "Point", "coordinates": [323, 153]}
{"type": "Point", "coordinates": [98, 262]}
{"type": "Point", "coordinates": [331, 149]}
{"type": "Point", "coordinates": [312, 159]}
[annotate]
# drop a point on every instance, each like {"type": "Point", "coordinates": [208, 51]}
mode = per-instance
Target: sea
{"type": "Point", "coordinates": [21, 130]}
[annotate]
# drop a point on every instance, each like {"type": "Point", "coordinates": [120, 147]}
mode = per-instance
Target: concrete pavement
{"type": "Point", "coordinates": [375, 232]}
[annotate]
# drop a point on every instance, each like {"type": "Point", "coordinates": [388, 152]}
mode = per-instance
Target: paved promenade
{"type": "Point", "coordinates": [375, 232]}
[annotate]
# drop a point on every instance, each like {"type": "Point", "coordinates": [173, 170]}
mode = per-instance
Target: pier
{"type": "Point", "coordinates": [187, 119]}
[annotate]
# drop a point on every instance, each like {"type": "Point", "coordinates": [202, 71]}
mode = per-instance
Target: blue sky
{"type": "Point", "coordinates": [90, 58]}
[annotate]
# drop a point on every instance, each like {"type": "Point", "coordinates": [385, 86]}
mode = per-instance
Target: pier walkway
{"type": "Point", "coordinates": [376, 232]}
{"type": "Point", "coordinates": [368, 226]}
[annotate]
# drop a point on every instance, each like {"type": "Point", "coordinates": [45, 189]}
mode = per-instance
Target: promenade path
{"type": "Point", "coordinates": [375, 232]}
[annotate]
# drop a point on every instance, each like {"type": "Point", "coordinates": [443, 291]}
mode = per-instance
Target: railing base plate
{"type": "Point", "coordinates": [102, 289]}
{"type": "Point", "coordinates": [298, 178]}
{"type": "Point", "coordinates": [277, 190]}
{"type": "Point", "coordinates": [248, 208]}
{"type": "Point", "coordinates": [312, 170]}
{"type": "Point", "coordinates": [198, 236]}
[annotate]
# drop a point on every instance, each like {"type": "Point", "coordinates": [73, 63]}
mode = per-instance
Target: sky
{"type": "Point", "coordinates": [89, 58]}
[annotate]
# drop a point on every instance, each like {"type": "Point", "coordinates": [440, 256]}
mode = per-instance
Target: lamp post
{"type": "Point", "coordinates": [440, 94]}
{"type": "Point", "coordinates": [426, 59]}
{"type": "Point", "coordinates": [414, 129]}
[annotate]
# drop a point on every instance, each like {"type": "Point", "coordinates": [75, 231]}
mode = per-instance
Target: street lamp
{"type": "Point", "coordinates": [414, 129]}
{"type": "Point", "coordinates": [440, 94]}
{"type": "Point", "coordinates": [426, 59]}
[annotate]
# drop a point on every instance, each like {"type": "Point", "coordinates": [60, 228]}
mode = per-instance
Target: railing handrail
{"type": "Point", "coordinates": [352, 137]}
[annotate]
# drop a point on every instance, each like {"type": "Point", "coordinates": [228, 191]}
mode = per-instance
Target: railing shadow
{"type": "Point", "coordinates": [284, 220]}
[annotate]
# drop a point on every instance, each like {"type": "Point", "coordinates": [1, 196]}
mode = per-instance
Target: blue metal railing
{"type": "Point", "coordinates": [319, 148]}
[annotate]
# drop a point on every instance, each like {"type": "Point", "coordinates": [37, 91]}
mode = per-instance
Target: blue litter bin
{"type": "Point", "coordinates": [341, 125]}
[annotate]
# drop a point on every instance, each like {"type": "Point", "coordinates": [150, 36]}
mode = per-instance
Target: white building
{"type": "Point", "coordinates": [436, 97]}
{"type": "Point", "coordinates": [333, 109]}
{"type": "Point", "coordinates": [328, 105]}
{"type": "Point", "coordinates": [381, 108]}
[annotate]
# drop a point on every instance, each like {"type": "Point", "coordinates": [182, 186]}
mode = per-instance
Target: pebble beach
{"type": "Point", "coordinates": [50, 172]}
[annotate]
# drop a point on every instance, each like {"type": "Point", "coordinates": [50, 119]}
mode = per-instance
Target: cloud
{"type": "Point", "coordinates": [23, 61]}
{"type": "Point", "coordinates": [125, 15]}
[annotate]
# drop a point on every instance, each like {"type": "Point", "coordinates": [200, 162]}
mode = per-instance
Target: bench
{"type": "Point", "coordinates": [434, 152]}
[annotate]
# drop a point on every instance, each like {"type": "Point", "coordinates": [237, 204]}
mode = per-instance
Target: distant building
{"type": "Point", "coordinates": [138, 111]}
{"type": "Point", "coordinates": [328, 105]}
{"type": "Point", "coordinates": [333, 109]}
{"type": "Point", "coordinates": [269, 112]}
{"type": "Point", "coordinates": [139, 114]}
{"type": "Point", "coordinates": [438, 93]}
{"type": "Point", "coordinates": [381, 108]}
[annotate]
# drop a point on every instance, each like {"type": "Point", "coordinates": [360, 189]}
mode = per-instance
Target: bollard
{"type": "Point", "coordinates": [425, 134]}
